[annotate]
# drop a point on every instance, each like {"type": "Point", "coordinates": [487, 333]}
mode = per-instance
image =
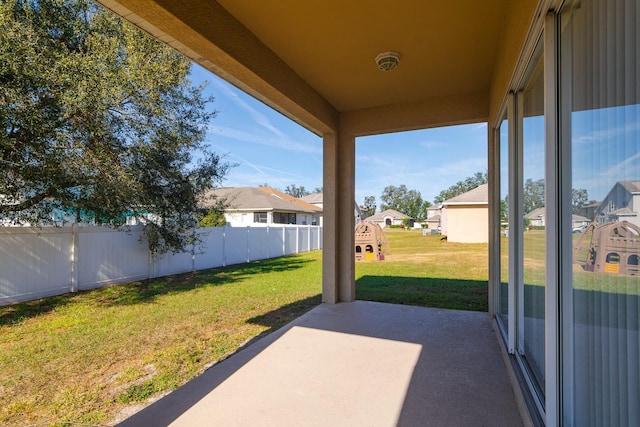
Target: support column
{"type": "Point", "coordinates": [338, 269]}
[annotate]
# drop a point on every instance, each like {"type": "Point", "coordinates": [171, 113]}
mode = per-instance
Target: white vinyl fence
{"type": "Point", "coordinates": [36, 263]}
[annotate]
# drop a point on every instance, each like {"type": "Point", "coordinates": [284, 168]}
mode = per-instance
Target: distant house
{"type": "Point", "coordinates": [578, 220]}
{"type": "Point", "coordinates": [589, 210]}
{"type": "Point", "coordinates": [264, 205]}
{"type": "Point", "coordinates": [537, 217]}
{"type": "Point", "coordinates": [391, 217]}
{"type": "Point", "coordinates": [434, 217]}
{"type": "Point", "coordinates": [465, 218]}
{"type": "Point", "coordinates": [316, 199]}
{"type": "Point", "coordinates": [621, 204]}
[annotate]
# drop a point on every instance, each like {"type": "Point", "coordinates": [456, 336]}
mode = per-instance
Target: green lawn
{"type": "Point", "coordinates": [428, 271]}
{"type": "Point", "coordinates": [84, 357]}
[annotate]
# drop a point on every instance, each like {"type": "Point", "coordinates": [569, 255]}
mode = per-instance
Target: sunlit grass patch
{"type": "Point", "coordinates": [83, 357]}
{"type": "Point", "coordinates": [427, 271]}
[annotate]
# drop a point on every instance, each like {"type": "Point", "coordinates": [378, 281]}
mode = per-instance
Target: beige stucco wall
{"type": "Point", "coordinates": [468, 224]}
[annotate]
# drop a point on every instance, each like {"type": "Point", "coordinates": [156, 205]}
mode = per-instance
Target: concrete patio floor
{"type": "Point", "coordinates": [354, 364]}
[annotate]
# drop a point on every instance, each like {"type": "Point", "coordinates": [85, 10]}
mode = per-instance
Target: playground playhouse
{"type": "Point", "coordinates": [371, 243]}
{"type": "Point", "coordinates": [612, 248]}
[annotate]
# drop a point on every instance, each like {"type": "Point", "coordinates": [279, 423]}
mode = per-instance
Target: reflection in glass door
{"type": "Point", "coordinates": [503, 287]}
{"type": "Point", "coordinates": [601, 109]}
{"type": "Point", "coordinates": [531, 342]}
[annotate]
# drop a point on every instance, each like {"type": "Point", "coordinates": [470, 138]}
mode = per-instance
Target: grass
{"type": "Point", "coordinates": [427, 271]}
{"type": "Point", "coordinates": [87, 357]}
{"type": "Point", "coordinates": [83, 357]}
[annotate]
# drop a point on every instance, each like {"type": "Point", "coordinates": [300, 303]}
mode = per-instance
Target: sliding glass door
{"type": "Point", "coordinates": [600, 69]}
{"type": "Point", "coordinates": [531, 290]}
{"type": "Point", "coordinates": [502, 308]}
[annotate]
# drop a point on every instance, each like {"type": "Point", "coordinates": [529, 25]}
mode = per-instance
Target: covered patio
{"type": "Point", "coordinates": [558, 84]}
{"type": "Point", "coordinates": [354, 364]}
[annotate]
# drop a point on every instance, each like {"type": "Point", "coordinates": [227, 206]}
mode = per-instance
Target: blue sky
{"type": "Point", "coordinates": [271, 149]}
{"type": "Point", "coordinates": [605, 149]}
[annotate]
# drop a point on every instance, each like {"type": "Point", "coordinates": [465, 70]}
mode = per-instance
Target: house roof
{"type": "Point", "coordinates": [312, 198]}
{"type": "Point", "coordinates": [477, 196]}
{"type": "Point", "coordinates": [624, 212]}
{"type": "Point", "coordinates": [394, 214]}
{"type": "Point", "coordinates": [591, 205]}
{"type": "Point", "coordinates": [316, 199]}
{"type": "Point", "coordinates": [536, 213]}
{"type": "Point", "coordinates": [576, 218]}
{"type": "Point", "coordinates": [260, 199]}
{"type": "Point", "coordinates": [631, 186]}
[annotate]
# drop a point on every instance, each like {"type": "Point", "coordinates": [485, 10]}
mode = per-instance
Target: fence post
{"type": "Point", "coordinates": [248, 244]}
{"type": "Point", "coordinates": [224, 246]}
{"type": "Point", "coordinates": [151, 263]}
{"type": "Point", "coordinates": [284, 240]}
{"type": "Point", "coordinates": [75, 253]}
{"type": "Point", "coordinates": [193, 250]}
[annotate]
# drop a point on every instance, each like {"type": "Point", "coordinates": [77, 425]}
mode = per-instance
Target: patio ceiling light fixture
{"type": "Point", "coordinates": [387, 61]}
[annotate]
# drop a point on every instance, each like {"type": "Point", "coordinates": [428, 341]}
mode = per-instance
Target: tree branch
{"type": "Point", "coordinates": [26, 204]}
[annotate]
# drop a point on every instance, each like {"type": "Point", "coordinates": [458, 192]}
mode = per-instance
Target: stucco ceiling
{"type": "Point", "coordinates": [446, 47]}
{"type": "Point", "coordinates": [315, 60]}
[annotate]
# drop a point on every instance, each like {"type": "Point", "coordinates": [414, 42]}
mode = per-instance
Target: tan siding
{"type": "Point", "coordinates": [468, 224]}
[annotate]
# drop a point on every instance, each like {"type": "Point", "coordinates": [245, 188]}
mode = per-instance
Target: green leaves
{"type": "Point", "coordinates": [98, 117]}
{"type": "Point", "coordinates": [408, 202]}
{"type": "Point", "coordinates": [461, 187]}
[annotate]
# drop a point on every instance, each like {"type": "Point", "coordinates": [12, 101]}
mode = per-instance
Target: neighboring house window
{"type": "Point", "coordinates": [284, 218]}
{"type": "Point", "coordinates": [260, 217]}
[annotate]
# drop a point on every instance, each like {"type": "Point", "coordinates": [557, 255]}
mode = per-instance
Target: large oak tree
{"type": "Point", "coordinates": [408, 202]}
{"type": "Point", "coordinates": [98, 118]}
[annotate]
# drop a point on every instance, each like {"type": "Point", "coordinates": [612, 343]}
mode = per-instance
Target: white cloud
{"type": "Point", "coordinates": [479, 127]}
{"type": "Point", "coordinates": [601, 135]}
{"type": "Point", "coordinates": [255, 115]}
{"type": "Point", "coordinates": [252, 174]}
{"type": "Point", "coordinates": [281, 143]}
{"type": "Point", "coordinates": [432, 144]}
